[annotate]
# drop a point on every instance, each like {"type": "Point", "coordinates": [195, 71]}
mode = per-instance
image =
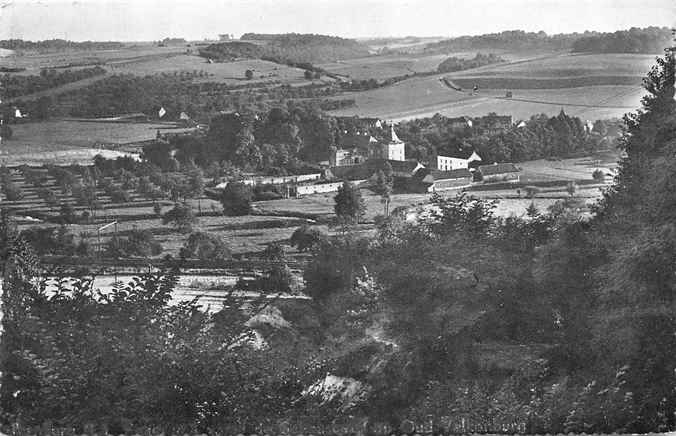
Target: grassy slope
{"type": "Point", "coordinates": [613, 89]}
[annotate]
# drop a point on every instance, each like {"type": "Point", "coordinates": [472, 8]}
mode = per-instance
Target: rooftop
{"type": "Point", "coordinates": [498, 168]}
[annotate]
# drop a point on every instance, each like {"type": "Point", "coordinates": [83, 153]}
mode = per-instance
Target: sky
{"type": "Point", "coordinates": [147, 20]}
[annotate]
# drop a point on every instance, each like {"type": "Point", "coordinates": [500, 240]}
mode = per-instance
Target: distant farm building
{"type": "Point", "coordinates": [457, 160]}
{"type": "Point", "coordinates": [499, 172]}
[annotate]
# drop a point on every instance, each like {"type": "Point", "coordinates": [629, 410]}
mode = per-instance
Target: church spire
{"type": "Point", "coordinates": [393, 134]}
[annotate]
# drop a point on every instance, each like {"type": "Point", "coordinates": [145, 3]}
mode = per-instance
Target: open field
{"type": "Point", "coordinates": [587, 92]}
{"type": "Point", "coordinates": [70, 140]}
{"type": "Point", "coordinates": [383, 67]}
{"type": "Point", "coordinates": [393, 65]}
{"type": "Point", "coordinates": [33, 61]}
{"type": "Point", "coordinates": [424, 97]}
{"type": "Point", "coordinates": [231, 73]}
{"type": "Point", "coordinates": [569, 65]}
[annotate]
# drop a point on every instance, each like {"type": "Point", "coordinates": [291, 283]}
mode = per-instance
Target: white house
{"type": "Point", "coordinates": [459, 160]}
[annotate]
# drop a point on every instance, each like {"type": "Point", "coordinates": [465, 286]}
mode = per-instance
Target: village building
{"type": "Point", "coordinates": [457, 160]}
{"type": "Point", "coordinates": [390, 148]}
{"type": "Point", "coordinates": [400, 169]}
{"type": "Point", "coordinates": [499, 172]}
{"type": "Point", "coordinates": [359, 147]}
{"type": "Point", "coordinates": [431, 180]}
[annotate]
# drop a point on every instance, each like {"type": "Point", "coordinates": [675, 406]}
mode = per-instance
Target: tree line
{"type": "Point", "coordinates": [650, 40]}
{"type": "Point", "coordinates": [58, 44]}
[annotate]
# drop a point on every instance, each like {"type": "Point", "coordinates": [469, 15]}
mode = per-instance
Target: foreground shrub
{"type": "Point", "coordinates": [129, 359]}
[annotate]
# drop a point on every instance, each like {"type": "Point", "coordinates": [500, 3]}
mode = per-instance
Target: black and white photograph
{"type": "Point", "coordinates": [337, 217]}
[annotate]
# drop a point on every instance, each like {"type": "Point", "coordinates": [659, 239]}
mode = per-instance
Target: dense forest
{"type": "Point", "coordinates": [462, 321]}
{"type": "Point", "coordinates": [650, 40]}
{"type": "Point", "coordinates": [291, 48]}
{"type": "Point", "coordinates": [58, 45]}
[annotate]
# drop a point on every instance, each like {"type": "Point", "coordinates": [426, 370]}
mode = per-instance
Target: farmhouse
{"type": "Point", "coordinates": [499, 172]}
{"type": "Point", "coordinates": [457, 160]}
{"type": "Point", "coordinates": [426, 180]}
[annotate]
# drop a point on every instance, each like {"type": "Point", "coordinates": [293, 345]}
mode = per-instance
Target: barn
{"type": "Point", "coordinates": [431, 180]}
{"type": "Point", "coordinates": [499, 172]}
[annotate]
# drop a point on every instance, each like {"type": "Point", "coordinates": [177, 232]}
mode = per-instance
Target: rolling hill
{"type": "Point", "coordinates": [591, 86]}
